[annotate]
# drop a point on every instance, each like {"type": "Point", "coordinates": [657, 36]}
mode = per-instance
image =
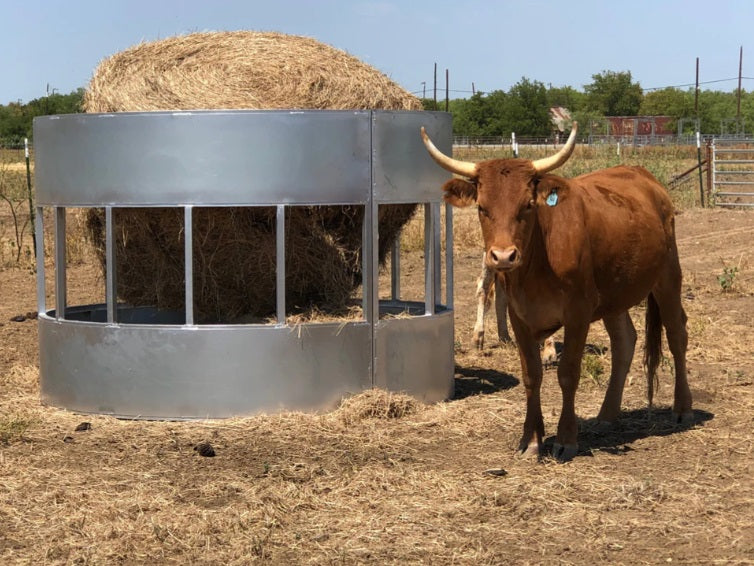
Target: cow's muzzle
{"type": "Point", "coordinates": [503, 259]}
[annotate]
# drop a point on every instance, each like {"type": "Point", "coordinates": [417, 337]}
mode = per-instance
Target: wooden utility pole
{"type": "Point", "coordinates": [696, 91]}
{"type": "Point", "coordinates": [699, 137]}
{"type": "Point", "coordinates": [435, 89]}
{"type": "Point", "coordinates": [447, 90]}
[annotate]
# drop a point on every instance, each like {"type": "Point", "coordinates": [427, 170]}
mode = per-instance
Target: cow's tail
{"type": "Point", "coordinates": [652, 345]}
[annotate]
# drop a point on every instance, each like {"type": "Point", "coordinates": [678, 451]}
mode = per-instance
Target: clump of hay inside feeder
{"type": "Point", "coordinates": [234, 248]}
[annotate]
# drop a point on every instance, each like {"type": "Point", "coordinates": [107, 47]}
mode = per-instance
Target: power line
{"type": "Point", "coordinates": [687, 85]}
{"type": "Point", "coordinates": [701, 83]}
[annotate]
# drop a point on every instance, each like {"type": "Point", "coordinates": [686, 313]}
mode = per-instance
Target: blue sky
{"type": "Point", "coordinates": [492, 44]}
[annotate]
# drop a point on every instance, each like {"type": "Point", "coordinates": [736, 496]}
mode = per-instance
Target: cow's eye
{"type": "Point", "coordinates": [483, 211]}
{"type": "Point", "coordinates": [530, 204]}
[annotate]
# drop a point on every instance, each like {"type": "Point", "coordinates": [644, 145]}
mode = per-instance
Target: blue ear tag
{"type": "Point", "coordinates": [552, 199]}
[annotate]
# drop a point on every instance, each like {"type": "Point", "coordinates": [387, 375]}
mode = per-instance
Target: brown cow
{"type": "Point", "coordinates": [573, 251]}
{"type": "Point", "coordinates": [487, 286]}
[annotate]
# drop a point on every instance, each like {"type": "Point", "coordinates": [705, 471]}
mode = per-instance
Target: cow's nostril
{"type": "Point", "coordinates": [503, 259]}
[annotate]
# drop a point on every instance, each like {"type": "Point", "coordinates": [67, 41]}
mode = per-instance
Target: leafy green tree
{"type": "Point", "coordinates": [527, 112]}
{"type": "Point", "coordinates": [668, 102]}
{"type": "Point", "coordinates": [614, 94]}
{"type": "Point", "coordinates": [16, 118]}
{"type": "Point", "coordinates": [13, 123]}
{"type": "Point", "coordinates": [430, 104]}
{"type": "Point", "coordinates": [479, 115]}
{"type": "Point", "coordinates": [747, 110]}
{"type": "Point", "coordinates": [566, 97]}
{"type": "Point", "coordinates": [716, 109]}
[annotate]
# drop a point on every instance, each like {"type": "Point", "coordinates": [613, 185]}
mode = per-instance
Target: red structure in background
{"type": "Point", "coordinates": [640, 125]}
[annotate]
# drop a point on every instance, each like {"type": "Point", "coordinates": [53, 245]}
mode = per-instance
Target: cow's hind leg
{"type": "Point", "coordinates": [622, 345]}
{"type": "Point", "coordinates": [667, 295]}
{"type": "Point", "coordinates": [501, 311]}
{"type": "Point", "coordinates": [484, 285]}
{"type": "Point", "coordinates": [549, 352]}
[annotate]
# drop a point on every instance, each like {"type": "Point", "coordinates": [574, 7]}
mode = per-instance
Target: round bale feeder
{"type": "Point", "coordinates": [143, 361]}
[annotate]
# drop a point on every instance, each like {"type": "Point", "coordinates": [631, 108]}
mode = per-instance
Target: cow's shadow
{"type": "Point", "coordinates": [631, 426]}
{"type": "Point", "coordinates": [475, 381]}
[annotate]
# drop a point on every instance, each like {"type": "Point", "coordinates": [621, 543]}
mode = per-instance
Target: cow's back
{"type": "Point", "coordinates": [626, 219]}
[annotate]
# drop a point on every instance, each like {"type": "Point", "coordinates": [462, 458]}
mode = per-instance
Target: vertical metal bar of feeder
{"type": "Point", "coordinates": [60, 276]}
{"type": "Point", "coordinates": [369, 251]}
{"type": "Point", "coordinates": [110, 298]}
{"type": "Point", "coordinates": [188, 260]}
{"type": "Point", "coordinates": [429, 260]}
{"type": "Point", "coordinates": [374, 260]}
{"type": "Point", "coordinates": [437, 251]}
{"type": "Point", "coordinates": [449, 255]}
{"type": "Point", "coordinates": [280, 263]}
{"type": "Point", "coordinates": [370, 282]}
{"type": "Point", "coordinates": [395, 269]}
{"type": "Point", "coordinates": [40, 259]}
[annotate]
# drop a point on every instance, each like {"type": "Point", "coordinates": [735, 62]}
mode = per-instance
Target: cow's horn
{"type": "Point", "coordinates": [463, 168]}
{"type": "Point", "coordinates": [554, 161]}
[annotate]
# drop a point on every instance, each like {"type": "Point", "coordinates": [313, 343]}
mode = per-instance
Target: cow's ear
{"type": "Point", "coordinates": [460, 192]}
{"type": "Point", "coordinates": [551, 190]}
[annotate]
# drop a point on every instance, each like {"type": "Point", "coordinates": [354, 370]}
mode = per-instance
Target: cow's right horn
{"type": "Point", "coordinates": [554, 161]}
{"type": "Point", "coordinates": [463, 168]}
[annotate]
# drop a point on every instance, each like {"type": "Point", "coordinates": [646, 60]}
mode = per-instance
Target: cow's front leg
{"type": "Point", "coordinates": [569, 373]}
{"type": "Point", "coordinates": [531, 371]}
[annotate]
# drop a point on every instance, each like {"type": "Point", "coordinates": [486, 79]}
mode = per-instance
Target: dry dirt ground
{"type": "Point", "coordinates": [384, 479]}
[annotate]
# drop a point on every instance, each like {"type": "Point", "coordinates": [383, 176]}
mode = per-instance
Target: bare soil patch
{"type": "Point", "coordinates": [385, 479]}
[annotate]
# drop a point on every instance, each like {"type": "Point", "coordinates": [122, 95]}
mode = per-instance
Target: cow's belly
{"type": "Point", "coordinates": [543, 314]}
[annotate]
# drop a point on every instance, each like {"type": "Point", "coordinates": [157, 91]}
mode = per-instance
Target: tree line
{"type": "Point", "coordinates": [16, 117]}
{"type": "Point", "coordinates": [523, 109]}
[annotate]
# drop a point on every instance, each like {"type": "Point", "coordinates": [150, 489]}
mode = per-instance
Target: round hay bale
{"type": "Point", "coordinates": [241, 70]}
{"type": "Point", "coordinates": [234, 248]}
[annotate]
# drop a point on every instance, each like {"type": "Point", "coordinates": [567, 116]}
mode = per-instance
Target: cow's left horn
{"type": "Point", "coordinates": [554, 161]}
{"type": "Point", "coordinates": [463, 168]}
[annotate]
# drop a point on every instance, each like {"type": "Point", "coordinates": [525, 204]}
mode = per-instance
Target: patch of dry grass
{"type": "Point", "coordinates": [384, 479]}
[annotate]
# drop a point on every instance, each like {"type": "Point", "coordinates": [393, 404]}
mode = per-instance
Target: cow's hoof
{"type": "Point", "coordinates": [564, 452]}
{"type": "Point", "coordinates": [478, 342]}
{"type": "Point", "coordinates": [529, 452]}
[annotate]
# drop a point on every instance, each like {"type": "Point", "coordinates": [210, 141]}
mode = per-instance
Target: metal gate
{"type": "Point", "coordinates": [732, 172]}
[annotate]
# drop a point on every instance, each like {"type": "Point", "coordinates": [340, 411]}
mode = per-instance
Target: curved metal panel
{"type": "Point", "coordinates": [180, 372]}
{"type": "Point", "coordinates": [203, 157]}
{"type": "Point", "coordinates": [403, 170]}
{"type": "Point", "coordinates": [415, 355]}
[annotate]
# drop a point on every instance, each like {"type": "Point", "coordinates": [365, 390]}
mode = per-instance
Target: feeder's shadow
{"type": "Point", "coordinates": [474, 381]}
{"type": "Point", "coordinates": [630, 427]}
